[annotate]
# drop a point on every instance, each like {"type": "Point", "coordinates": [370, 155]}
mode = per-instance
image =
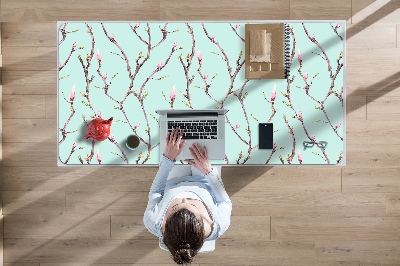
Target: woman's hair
{"type": "Point", "coordinates": [184, 235]}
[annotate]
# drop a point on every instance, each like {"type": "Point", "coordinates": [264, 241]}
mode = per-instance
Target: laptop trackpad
{"type": "Point", "coordinates": [212, 148]}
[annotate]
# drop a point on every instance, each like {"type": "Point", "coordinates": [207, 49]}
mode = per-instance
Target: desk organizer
{"type": "Point", "coordinates": [127, 70]}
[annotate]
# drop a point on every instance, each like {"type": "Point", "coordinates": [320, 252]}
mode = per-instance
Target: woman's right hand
{"type": "Point", "coordinates": [200, 160]}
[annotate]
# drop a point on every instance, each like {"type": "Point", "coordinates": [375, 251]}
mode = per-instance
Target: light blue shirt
{"type": "Point", "coordinates": [208, 188]}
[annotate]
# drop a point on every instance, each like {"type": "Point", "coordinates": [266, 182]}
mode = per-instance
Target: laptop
{"type": "Point", "coordinates": [206, 127]}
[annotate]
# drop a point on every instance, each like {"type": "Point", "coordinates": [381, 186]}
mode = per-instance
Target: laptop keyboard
{"type": "Point", "coordinates": [196, 129]}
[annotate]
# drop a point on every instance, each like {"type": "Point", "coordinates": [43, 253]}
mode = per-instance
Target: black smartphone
{"type": "Point", "coordinates": [265, 135]}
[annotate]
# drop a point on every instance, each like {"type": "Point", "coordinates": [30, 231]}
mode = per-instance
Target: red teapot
{"type": "Point", "coordinates": [98, 129]}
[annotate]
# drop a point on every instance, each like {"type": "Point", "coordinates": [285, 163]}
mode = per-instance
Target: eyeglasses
{"type": "Point", "coordinates": [310, 144]}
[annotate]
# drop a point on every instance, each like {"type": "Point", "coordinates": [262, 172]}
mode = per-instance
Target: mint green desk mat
{"type": "Point", "coordinates": [320, 99]}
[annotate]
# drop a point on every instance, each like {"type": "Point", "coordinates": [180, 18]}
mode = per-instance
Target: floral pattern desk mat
{"type": "Point", "coordinates": [128, 70]}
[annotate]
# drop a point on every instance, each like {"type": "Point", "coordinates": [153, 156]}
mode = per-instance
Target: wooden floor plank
{"type": "Point", "coordinates": [21, 264]}
{"type": "Point", "coordinates": [320, 208]}
{"type": "Point", "coordinates": [379, 30]}
{"type": "Point", "coordinates": [335, 228]}
{"type": "Point", "coordinates": [113, 264]}
{"type": "Point", "coordinates": [24, 106]}
{"type": "Point", "coordinates": [374, 132]}
{"type": "Point", "coordinates": [325, 9]}
{"type": "Point", "coordinates": [54, 226]}
{"type": "Point", "coordinates": [119, 179]}
{"type": "Point", "coordinates": [369, 12]}
{"type": "Point", "coordinates": [296, 179]}
{"type": "Point", "coordinates": [128, 227]}
{"type": "Point", "coordinates": [125, 10]}
{"type": "Point", "coordinates": [364, 252]}
{"type": "Point", "coordinates": [356, 108]}
{"type": "Point", "coordinates": [33, 61]}
{"type": "Point", "coordinates": [107, 203]}
{"type": "Point", "coordinates": [376, 74]}
{"type": "Point", "coordinates": [40, 130]}
{"type": "Point", "coordinates": [380, 180]}
{"type": "Point", "coordinates": [383, 108]}
{"type": "Point", "coordinates": [22, 154]}
{"type": "Point", "coordinates": [309, 204]}
{"type": "Point", "coordinates": [249, 227]}
{"type": "Point", "coordinates": [224, 10]}
{"type": "Point", "coordinates": [382, 155]}
{"type": "Point", "coordinates": [29, 82]}
{"type": "Point", "coordinates": [37, 34]}
{"type": "Point", "coordinates": [1, 237]}
{"type": "Point", "coordinates": [33, 202]}
{"type": "Point", "coordinates": [397, 35]}
{"type": "Point", "coordinates": [51, 106]}
{"type": "Point", "coordinates": [393, 204]}
{"type": "Point", "coordinates": [357, 6]}
{"type": "Point", "coordinates": [147, 251]}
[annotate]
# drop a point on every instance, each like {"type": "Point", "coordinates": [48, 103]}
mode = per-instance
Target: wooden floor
{"type": "Point", "coordinates": [281, 215]}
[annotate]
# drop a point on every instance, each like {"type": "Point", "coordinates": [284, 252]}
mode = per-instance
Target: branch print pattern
{"type": "Point", "coordinates": [129, 70]}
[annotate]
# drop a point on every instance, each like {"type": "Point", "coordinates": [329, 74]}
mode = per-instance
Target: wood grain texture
{"type": "Point", "coordinates": [87, 179]}
{"type": "Point", "coordinates": [29, 82]}
{"type": "Point", "coordinates": [359, 6]}
{"type": "Point", "coordinates": [364, 80]}
{"type": "Point", "coordinates": [372, 155]}
{"type": "Point", "coordinates": [224, 10]}
{"type": "Point", "coordinates": [356, 108]}
{"type": "Point", "coordinates": [29, 154]}
{"type": "Point", "coordinates": [324, 9]}
{"type": "Point", "coordinates": [363, 252]}
{"type": "Point", "coordinates": [397, 35]}
{"type": "Point", "coordinates": [107, 203]}
{"type": "Point", "coordinates": [393, 204]}
{"type": "Point", "coordinates": [335, 228]}
{"type": "Point", "coordinates": [40, 130]}
{"type": "Point", "coordinates": [381, 180]}
{"type": "Point", "coordinates": [373, 131]}
{"type": "Point", "coordinates": [21, 264]}
{"type": "Point", "coordinates": [32, 36]}
{"type": "Point", "coordinates": [33, 202]}
{"type": "Point", "coordinates": [35, 61]}
{"type": "Point", "coordinates": [24, 106]}
{"type": "Point", "coordinates": [50, 226]}
{"type": "Point", "coordinates": [249, 227]}
{"type": "Point", "coordinates": [319, 215]}
{"type": "Point", "coordinates": [129, 227]}
{"type": "Point", "coordinates": [388, 108]}
{"type": "Point", "coordinates": [370, 12]}
{"type": "Point", "coordinates": [111, 264]}
{"type": "Point", "coordinates": [309, 204]}
{"type": "Point", "coordinates": [42, 10]}
{"type": "Point", "coordinates": [286, 179]}
{"type": "Point", "coordinates": [51, 106]}
{"type": "Point", "coordinates": [147, 251]}
{"type": "Point", "coordinates": [379, 31]}
{"type": "Point", "coordinates": [1, 237]}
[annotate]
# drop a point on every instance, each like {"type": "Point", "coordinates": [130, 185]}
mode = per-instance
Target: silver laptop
{"type": "Point", "coordinates": [206, 127]}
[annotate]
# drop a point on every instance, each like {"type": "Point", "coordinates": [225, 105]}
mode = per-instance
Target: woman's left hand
{"type": "Point", "coordinates": [174, 144]}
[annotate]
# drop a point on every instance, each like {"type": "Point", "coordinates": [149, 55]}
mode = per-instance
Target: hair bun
{"type": "Point", "coordinates": [183, 255]}
{"type": "Point", "coordinates": [184, 245]}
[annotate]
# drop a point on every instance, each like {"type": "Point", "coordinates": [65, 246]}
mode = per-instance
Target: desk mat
{"type": "Point", "coordinates": [128, 70]}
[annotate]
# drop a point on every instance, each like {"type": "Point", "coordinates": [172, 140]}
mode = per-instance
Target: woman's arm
{"type": "Point", "coordinates": [156, 194]}
{"type": "Point", "coordinates": [172, 149]}
{"type": "Point", "coordinates": [222, 199]}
